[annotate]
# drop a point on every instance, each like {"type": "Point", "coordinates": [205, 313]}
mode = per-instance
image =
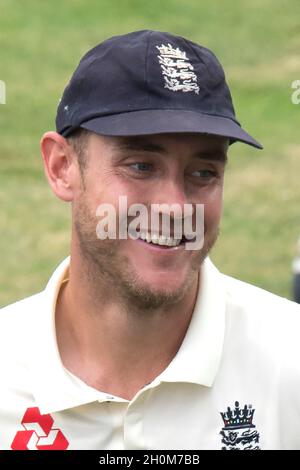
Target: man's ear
{"type": "Point", "coordinates": [59, 164]}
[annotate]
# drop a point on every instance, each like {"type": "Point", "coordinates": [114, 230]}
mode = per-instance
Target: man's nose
{"type": "Point", "coordinates": [171, 194]}
{"type": "Point", "coordinates": [171, 191]}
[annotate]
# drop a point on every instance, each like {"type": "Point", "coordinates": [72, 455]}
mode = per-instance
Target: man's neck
{"type": "Point", "coordinates": [110, 347]}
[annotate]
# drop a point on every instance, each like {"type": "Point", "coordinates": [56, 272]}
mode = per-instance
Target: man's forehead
{"type": "Point", "coordinates": [164, 143]}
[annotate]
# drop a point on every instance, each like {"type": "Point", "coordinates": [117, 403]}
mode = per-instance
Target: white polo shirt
{"type": "Point", "coordinates": [234, 383]}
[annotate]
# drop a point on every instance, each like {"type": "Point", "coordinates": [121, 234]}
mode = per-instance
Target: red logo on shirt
{"type": "Point", "coordinates": [38, 433]}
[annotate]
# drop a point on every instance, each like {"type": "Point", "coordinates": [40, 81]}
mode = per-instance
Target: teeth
{"type": "Point", "coordinates": [143, 236]}
{"type": "Point", "coordinates": [159, 240]}
{"type": "Point", "coordinates": [163, 240]}
{"type": "Point", "coordinates": [172, 242]}
{"type": "Point", "coordinates": [155, 239]}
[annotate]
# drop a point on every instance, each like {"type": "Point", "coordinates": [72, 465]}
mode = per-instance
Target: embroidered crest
{"type": "Point", "coordinates": [177, 70]}
{"type": "Point", "coordinates": [239, 432]}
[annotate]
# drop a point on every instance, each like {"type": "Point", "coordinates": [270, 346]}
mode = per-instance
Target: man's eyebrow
{"type": "Point", "coordinates": [140, 146]}
{"type": "Point", "coordinates": [144, 146]}
{"type": "Point", "coordinates": [211, 155]}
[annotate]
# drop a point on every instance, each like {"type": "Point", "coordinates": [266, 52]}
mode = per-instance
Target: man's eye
{"type": "Point", "coordinates": [204, 173]}
{"type": "Point", "coordinates": [141, 166]}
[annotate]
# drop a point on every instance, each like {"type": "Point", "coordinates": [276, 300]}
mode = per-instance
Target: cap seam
{"type": "Point", "coordinates": [81, 79]}
{"type": "Point", "coordinates": [193, 49]}
{"type": "Point", "coordinates": [146, 67]}
{"type": "Point", "coordinates": [220, 77]}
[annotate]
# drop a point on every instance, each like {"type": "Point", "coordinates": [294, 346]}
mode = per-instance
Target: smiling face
{"type": "Point", "coordinates": [156, 169]}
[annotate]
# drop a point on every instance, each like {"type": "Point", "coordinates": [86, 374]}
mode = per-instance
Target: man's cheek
{"type": "Point", "coordinates": [212, 216]}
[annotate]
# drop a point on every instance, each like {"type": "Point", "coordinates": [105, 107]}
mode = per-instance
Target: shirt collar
{"type": "Point", "coordinates": [54, 388]}
{"type": "Point", "coordinates": [197, 360]}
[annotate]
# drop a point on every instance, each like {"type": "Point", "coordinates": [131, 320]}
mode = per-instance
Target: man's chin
{"type": "Point", "coordinates": [150, 299]}
{"type": "Point", "coordinates": [151, 296]}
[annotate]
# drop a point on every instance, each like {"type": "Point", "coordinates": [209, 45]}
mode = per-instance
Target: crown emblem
{"type": "Point", "coordinates": [177, 70]}
{"type": "Point", "coordinates": [239, 417]}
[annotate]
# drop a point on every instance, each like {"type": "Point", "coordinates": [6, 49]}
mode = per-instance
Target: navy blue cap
{"type": "Point", "coordinates": [149, 82]}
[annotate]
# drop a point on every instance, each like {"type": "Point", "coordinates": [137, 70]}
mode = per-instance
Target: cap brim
{"type": "Point", "coordinates": [155, 121]}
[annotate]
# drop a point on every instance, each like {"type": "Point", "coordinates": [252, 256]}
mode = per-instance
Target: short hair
{"type": "Point", "coordinates": [79, 142]}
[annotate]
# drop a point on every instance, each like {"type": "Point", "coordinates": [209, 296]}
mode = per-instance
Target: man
{"type": "Point", "coordinates": [140, 342]}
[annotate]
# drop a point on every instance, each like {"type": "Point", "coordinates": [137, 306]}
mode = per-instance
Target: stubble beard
{"type": "Point", "coordinates": [109, 271]}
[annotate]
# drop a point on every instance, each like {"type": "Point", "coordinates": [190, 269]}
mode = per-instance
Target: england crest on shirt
{"type": "Point", "coordinates": [239, 432]}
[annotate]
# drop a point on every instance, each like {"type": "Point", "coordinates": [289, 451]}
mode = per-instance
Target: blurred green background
{"type": "Point", "coordinates": [259, 45]}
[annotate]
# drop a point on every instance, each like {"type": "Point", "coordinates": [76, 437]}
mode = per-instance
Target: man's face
{"type": "Point", "coordinates": [156, 169]}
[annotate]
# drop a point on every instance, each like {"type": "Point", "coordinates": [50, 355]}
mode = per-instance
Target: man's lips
{"type": "Point", "coordinates": [160, 248]}
{"type": "Point", "coordinates": [161, 239]}
{"type": "Point", "coordinates": [163, 247]}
